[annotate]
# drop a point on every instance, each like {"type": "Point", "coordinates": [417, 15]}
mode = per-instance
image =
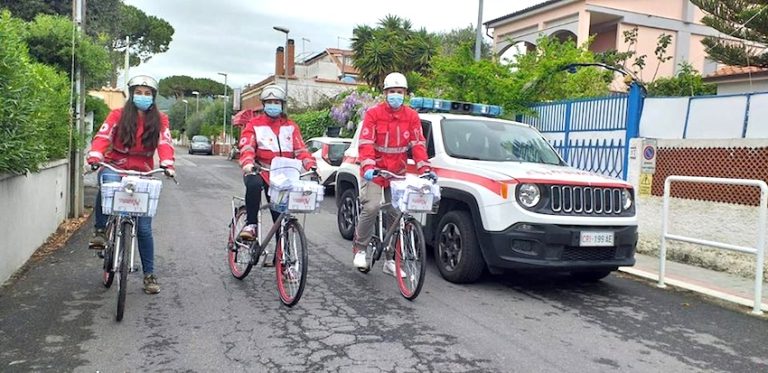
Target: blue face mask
{"type": "Point", "coordinates": [395, 100]}
{"type": "Point", "coordinates": [142, 102]}
{"type": "Point", "coordinates": [273, 110]}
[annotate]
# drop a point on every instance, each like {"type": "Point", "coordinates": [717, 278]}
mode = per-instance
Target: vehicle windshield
{"type": "Point", "coordinates": [200, 139]}
{"type": "Point", "coordinates": [496, 141]}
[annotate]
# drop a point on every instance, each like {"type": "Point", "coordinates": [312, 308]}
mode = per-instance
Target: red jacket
{"type": "Point", "coordinates": [107, 147]}
{"type": "Point", "coordinates": [264, 138]}
{"type": "Point", "coordinates": [386, 136]}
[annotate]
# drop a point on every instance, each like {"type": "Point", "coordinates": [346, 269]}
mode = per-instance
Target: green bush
{"type": "Point", "coordinates": [313, 123]}
{"type": "Point", "coordinates": [34, 116]}
{"type": "Point", "coordinates": [99, 108]}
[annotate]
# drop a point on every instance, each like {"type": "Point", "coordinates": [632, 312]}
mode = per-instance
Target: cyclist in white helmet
{"type": "Point", "coordinates": [128, 140]}
{"type": "Point", "coordinates": [263, 138]}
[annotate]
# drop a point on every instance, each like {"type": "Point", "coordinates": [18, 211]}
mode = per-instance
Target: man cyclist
{"type": "Point", "coordinates": [389, 131]}
{"type": "Point", "coordinates": [263, 138]}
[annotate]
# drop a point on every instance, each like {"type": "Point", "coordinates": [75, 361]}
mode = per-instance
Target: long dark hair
{"type": "Point", "coordinates": [126, 128]}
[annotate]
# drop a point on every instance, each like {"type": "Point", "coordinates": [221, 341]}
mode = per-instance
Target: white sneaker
{"type": "Point", "coordinates": [359, 260]}
{"type": "Point", "coordinates": [389, 268]}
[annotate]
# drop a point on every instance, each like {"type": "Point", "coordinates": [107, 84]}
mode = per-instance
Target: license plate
{"type": "Point", "coordinates": [131, 203]}
{"type": "Point", "coordinates": [302, 201]}
{"type": "Point", "coordinates": [419, 202]}
{"type": "Point", "coordinates": [593, 239]}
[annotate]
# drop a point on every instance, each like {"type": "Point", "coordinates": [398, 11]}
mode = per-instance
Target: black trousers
{"type": "Point", "coordinates": [254, 185]}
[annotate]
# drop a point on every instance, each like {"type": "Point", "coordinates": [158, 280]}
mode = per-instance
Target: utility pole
{"type": "Point", "coordinates": [224, 123]}
{"type": "Point", "coordinates": [127, 65]}
{"type": "Point", "coordinates": [76, 192]}
{"type": "Point", "coordinates": [478, 33]}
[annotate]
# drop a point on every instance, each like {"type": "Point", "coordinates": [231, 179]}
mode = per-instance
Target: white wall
{"type": "Point", "coordinates": [731, 88]}
{"type": "Point", "coordinates": [706, 117]}
{"type": "Point", "coordinates": [31, 209]}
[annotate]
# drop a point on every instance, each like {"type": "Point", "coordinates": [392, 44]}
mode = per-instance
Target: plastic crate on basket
{"type": "Point", "coordinates": [415, 195]}
{"type": "Point", "coordinates": [142, 202]}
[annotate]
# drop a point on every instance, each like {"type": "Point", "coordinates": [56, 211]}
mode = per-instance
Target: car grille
{"type": "Point", "coordinates": [589, 253]}
{"type": "Point", "coordinates": [585, 200]}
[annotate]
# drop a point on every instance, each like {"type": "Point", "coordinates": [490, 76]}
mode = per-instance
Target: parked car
{"type": "Point", "coordinates": [200, 144]}
{"type": "Point", "coordinates": [329, 152]}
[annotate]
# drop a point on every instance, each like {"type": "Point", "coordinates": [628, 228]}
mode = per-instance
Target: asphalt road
{"type": "Point", "coordinates": [58, 317]}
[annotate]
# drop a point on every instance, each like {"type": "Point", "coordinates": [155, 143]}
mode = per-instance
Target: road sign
{"type": "Point", "coordinates": [648, 160]}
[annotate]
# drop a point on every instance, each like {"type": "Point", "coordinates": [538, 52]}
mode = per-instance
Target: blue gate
{"type": "Point", "coordinates": [591, 134]}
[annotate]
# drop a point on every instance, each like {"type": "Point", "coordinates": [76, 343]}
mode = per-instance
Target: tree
{"type": "Point", "coordinates": [180, 86]}
{"type": "Point", "coordinates": [392, 46]}
{"type": "Point", "coordinates": [49, 39]}
{"type": "Point", "coordinates": [687, 82]}
{"type": "Point", "coordinates": [148, 35]}
{"type": "Point", "coordinates": [742, 19]}
{"type": "Point", "coordinates": [452, 41]}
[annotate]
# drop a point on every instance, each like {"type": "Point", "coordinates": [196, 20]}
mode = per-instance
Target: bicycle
{"type": "Point", "coordinates": [290, 256]}
{"type": "Point", "coordinates": [404, 234]}
{"type": "Point", "coordinates": [125, 202]}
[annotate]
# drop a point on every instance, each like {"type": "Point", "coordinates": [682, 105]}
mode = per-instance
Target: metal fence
{"type": "Point", "coordinates": [591, 134]}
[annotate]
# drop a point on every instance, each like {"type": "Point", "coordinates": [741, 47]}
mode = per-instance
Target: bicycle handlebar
{"type": "Point", "coordinates": [308, 173]}
{"type": "Point", "coordinates": [391, 175]}
{"type": "Point", "coordinates": [122, 172]}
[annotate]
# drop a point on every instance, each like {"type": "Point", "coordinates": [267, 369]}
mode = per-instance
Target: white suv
{"type": "Point", "coordinates": [508, 200]}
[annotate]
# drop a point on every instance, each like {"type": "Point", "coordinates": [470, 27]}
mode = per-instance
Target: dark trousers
{"type": "Point", "coordinates": [254, 185]}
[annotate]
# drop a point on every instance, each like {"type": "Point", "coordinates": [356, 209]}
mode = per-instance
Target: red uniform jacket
{"type": "Point", "coordinates": [264, 138]}
{"type": "Point", "coordinates": [386, 136]}
{"type": "Point", "coordinates": [107, 147]}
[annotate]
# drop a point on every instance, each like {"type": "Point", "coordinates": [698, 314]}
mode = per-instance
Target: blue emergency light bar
{"type": "Point", "coordinates": [436, 105]}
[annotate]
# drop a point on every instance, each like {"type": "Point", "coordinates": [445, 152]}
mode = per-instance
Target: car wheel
{"type": "Point", "coordinates": [457, 252]}
{"type": "Point", "coordinates": [346, 216]}
{"type": "Point", "coordinates": [190, 151]}
{"type": "Point", "coordinates": [590, 276]}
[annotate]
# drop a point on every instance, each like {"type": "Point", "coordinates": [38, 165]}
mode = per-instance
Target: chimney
{"type": "Point", "coordinates": [279, 62]}
{"type": "Point", "coordinates": [290, 56]}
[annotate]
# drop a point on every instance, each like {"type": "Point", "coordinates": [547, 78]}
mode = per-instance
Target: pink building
{"type": "Point", "coordinates": [607, 20]}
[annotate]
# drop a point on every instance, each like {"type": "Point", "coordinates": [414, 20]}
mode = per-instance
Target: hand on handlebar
{"type": "Point", "coordinates": [369, 174]}
{"type": "Point", "coordinates": [316, 176]}
{"type": "Point", "coordinates": [429, 175]}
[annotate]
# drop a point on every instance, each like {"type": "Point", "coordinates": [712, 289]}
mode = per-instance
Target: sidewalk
{"type": "Point", "coordinates": [716, 284]}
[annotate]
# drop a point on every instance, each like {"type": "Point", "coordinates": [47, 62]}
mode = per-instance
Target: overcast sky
{"type": "Point", "coordinates": [236, 36]}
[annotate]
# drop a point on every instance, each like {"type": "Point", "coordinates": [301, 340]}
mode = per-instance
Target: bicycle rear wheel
{"type": "Point", "coordinates": [108, 274]}
{"type": "Point", "coordinates": [126, 244]}
{"type": "Point", "coordinates": [238, 253]}
{"type": "Point", "coordinates": [411, 259]}
{"type": "Point", "coordinates": [291, 263]}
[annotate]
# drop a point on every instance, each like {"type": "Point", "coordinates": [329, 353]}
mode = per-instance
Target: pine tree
{"type": "Point", "coordinates": [746, 20]}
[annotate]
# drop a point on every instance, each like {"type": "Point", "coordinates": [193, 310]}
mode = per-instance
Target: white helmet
{"type": "Point", "coordinates": [395, 80]}
{"type": "Point", "coordinates": [144, 80]}
{"type": "Point", "coordinates": [273, 92]}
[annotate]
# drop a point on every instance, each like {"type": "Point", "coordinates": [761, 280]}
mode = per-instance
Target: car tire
{"type": "Point", "coordinates": [590, 276]}
{"type": "Point", "coordinates": [190, 151]}
{"type": "Point", "coordinates": [346, 217]}
{"type": "Point", "coordinates": [457, 252]}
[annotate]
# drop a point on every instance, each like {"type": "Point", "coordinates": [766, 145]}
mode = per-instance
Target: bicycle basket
{"type": "Point", "coordinates": [303, 197]}
{"type": "Point", "coordinates": [132, 196]}
{"type": "Point", "coordinates": [415, 195]}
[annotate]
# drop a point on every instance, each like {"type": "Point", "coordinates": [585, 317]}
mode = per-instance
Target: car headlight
{"type": "Point", "coordinates": [626, 199]}
{"type": "Point", "coordinates": [529, 195]}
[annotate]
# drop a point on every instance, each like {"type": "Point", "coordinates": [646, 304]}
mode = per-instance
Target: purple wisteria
{"type": "Point", "coordinates": [350, 111]}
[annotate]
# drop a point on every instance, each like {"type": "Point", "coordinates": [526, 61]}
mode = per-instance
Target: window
{"type": "Point", "coordinates": [426, 127]}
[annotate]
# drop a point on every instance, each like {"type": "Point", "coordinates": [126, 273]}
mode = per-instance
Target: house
{"type": "Point", "coordinates": [324, 74]}
{"type": "Point", "coordinates": [113, 97]}
{"type": "Point", "coordinates": [738, 80]}
{"type": "Point", "coordinates": [606, 21]}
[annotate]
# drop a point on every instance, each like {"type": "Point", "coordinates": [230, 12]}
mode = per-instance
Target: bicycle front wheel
{"type": "Point", "coordinates": [126, 244]}
{"type": "Point", "coordinates": [108, 274]}
{"type": "Point", "coordinates": [238, 252]}
{"type": "Point", "coordinates": [410, 259]}
{"type": "Point", "coordinates": [291, 263]}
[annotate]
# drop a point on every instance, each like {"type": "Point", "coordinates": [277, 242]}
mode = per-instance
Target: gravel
{"type": "Point", "coordinates": [714, 221]}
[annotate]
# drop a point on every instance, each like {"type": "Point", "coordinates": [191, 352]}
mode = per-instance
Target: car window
{"type": "Point", "coordinates": [336, 150]}
{"type": "Point", "coordinates": [200, 139]}
{"type": "Point", "coordinates": [496, 141]}
{"type": "Point", "coordinates": [426, 128]}
{"type": "Point", "coordinates": [313, 145]}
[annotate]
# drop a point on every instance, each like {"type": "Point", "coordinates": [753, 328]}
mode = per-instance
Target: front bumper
{"type": "Point", "coordinates": [539, 246]}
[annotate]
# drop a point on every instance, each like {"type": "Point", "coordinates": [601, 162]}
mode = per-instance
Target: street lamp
{"type": "Point", "coordinates": [197, 104]}
{"type": "Point", "coordinates": [186, 106]}
{"type": "Point", "coordinates": [224, 122]}
{"type": "Point", "coordinates": [285, 60]}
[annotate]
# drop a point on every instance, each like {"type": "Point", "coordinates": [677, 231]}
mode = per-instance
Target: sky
{"type": "Point", "coordinates": [236, 36]}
